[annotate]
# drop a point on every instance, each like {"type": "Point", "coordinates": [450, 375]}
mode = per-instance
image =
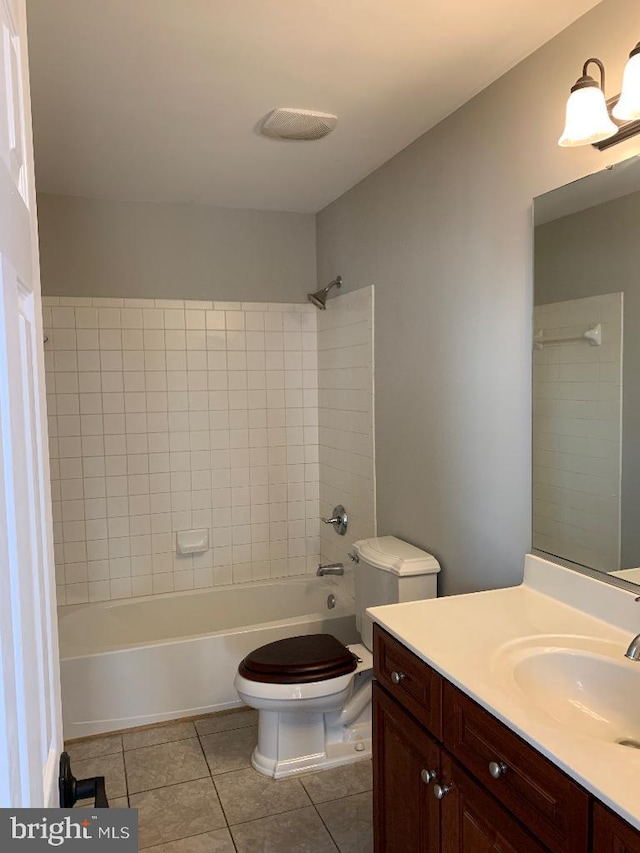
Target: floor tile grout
{"type": "Point", "coordinates": [325, 825]}
{"type": "Point", "coordinates": [272, 814]}
{"type": "Point", "coordinates": [126, 777]}
{"type": "Point", "coordinates": [171, 785]}
{"type": "Point", "coordinates": [185, 837]}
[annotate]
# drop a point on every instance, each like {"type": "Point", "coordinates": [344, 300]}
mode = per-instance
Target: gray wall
{"type": "Point", "coordinates": [444, 232]}
{"type": "Point", "coordinates": [590, 253]}
{"type": "Point", "coordinates": [103, 248]}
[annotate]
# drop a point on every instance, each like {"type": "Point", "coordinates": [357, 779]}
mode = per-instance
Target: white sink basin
{"type": "Point", "coordinates": [583, 684]}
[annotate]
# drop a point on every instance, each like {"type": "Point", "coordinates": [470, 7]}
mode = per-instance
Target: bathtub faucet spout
{"type": "Point", "coordinates": [330, 569]}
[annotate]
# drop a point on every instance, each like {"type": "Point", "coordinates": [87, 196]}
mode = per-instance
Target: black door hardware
{"type": "Point", "coordinates": [72, 789]}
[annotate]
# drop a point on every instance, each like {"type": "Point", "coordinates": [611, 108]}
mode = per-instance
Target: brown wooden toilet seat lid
{"type": "Point", "coordinates": [316, 657]}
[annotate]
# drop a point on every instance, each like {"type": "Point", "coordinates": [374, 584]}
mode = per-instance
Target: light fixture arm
{"type": "Point", "coordinates": [586, 79]}
{"type": "Point", "coordinates": [635, 51]}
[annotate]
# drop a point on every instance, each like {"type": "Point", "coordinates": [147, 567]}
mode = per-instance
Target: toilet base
{"type": "Point", "coordinates": [291, 742]}
{"type": "Point", "coordinates": [307, 764]}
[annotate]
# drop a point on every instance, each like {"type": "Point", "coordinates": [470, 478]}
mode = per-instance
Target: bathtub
{"type": "Point", "coordinates": [144, 660]}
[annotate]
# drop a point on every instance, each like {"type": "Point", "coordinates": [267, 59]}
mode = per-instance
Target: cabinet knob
{"type": "Point", "coordinates": [441, 791]}
{"type": "Point", "coordinates": [397, 677]}
{"type": "Point", "coordinates": [427, 776]}
{"type": "Point", "coordinates": [497, 769]}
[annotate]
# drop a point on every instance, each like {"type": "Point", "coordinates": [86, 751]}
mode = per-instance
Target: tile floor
{"type": "Point", "coordinates": [196, 792]}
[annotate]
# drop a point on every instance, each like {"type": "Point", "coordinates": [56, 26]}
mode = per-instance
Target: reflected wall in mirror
{"type": "Point", "coordinates": [586, 360]}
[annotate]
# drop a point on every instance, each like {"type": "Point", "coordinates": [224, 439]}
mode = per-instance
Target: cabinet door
{"type": "Point", "coordinates": [611, 834]}
{"type": "Point", "coordinates": [473, 822]}
{"type": "Point", "coordinates": [406, 813]}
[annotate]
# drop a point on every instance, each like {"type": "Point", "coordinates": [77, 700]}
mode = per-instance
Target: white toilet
{"type": "Point", "coordinates": [313, 693]}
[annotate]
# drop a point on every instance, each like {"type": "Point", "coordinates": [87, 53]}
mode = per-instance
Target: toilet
{"type": "Point", "coordinates": [313, 694]}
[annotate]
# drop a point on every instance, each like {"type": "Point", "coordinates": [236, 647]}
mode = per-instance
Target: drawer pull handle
{"type": "Point", "coordinates": [497, 769]}
{"type": "Point", "coordinates": [441, 791]}
{"type": "Point", "coordinates": [397, 677]}
{"type": "Point", "coordinates": [427, 776]}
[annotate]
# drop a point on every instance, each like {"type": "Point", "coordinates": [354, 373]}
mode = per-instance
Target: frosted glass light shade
{"type": "Point", "coordinates": [628, 106]}
{"type": "Point", "coordinates": [587, 118]}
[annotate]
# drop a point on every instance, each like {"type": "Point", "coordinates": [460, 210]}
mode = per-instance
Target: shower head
{"type": "Point", "coordinates": [319, 298]}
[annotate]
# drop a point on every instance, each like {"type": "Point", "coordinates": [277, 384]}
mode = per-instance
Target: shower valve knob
{"type": "Point", "coordinates": [339, 520]}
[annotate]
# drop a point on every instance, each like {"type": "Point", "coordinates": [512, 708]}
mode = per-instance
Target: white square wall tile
{"type": "Point", "coordinates": [63, 318]}
{"type": "Point", "coordinates": [193, 432]}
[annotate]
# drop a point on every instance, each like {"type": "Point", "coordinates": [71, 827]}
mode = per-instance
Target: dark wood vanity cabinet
{"type": "Point", "coordinates": [611, 834]}
{"type": "Point", "coordinates": [450, 777]}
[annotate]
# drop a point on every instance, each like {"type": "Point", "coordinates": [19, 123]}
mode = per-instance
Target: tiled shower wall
{"type": "Point", "coordinates": [170, 415]}
{"type": "Point", "coordinates": [577, 410]}
{"type": "Point", "coordinates": [346, 420]}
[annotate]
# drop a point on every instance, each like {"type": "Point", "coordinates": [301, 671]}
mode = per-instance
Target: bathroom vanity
{"type": "Point", "coordinates": [471, 753]}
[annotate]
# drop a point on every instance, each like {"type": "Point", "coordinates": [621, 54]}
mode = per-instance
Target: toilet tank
{"type": "Point", "coordinates": [390, 571]}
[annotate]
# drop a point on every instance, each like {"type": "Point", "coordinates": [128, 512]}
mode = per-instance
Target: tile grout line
{"type": "Point", "coordinates": [185, 837]}
{"type": "Point", "coordinates": [172, 785]}
{"type": "Point", "coordinates": [326, 827]}
{"type": "Point", "coordinates": [215, 788]}
{"type": "Point", "coordinates": [126, 777]}
{"type": "Point", "coordinates": [265, 816]}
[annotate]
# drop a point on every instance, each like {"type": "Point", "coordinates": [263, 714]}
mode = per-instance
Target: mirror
{"type": "Point", "coordinates": [586, 364]}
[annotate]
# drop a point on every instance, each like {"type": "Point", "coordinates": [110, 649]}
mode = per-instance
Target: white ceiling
{"type": "Point", "coordinates": [158, 100]}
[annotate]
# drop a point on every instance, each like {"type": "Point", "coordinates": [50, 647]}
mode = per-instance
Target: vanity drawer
{"type": "Point", "coordinates": [408, 679]}
{"type": "Point", "coordinates": [545, 799]}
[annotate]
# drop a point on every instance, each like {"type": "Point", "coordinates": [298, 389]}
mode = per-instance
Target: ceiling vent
{"type": "Point", "coordinates": [300, 125]}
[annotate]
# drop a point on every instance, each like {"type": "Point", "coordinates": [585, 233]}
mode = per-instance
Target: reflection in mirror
{"type": "Point", "coordinates": [586, 396]}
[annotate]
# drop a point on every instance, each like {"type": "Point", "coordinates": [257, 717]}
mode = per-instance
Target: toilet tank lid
{"type": "Point", "coordinates": [394, 555]}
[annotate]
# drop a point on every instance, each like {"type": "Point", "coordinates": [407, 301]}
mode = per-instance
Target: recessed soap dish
{"type": "Point", "coordinates": [192, 541]}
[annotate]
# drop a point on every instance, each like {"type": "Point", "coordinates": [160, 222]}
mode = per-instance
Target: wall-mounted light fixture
{"type": "Point", "coordinates": [592, 120]}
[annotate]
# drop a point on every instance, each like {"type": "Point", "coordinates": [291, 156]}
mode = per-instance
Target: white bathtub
{"type": "Point", "coordinates": [139, 661]}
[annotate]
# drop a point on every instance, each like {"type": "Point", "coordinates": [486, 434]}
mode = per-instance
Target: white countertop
{"type": "Point", "coordinates": [463, 638]}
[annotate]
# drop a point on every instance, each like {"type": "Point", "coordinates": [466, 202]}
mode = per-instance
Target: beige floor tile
{"type": "Point", "coordinates": [211, 842]}
{"type": "Point", "coordinates": [350, 822]}
{"type": "Point", "coordinates": [109, 766]}
{"type": "Point", "coordinates": [158, 734]}
{"type": "Point", "coordinates": [339, 781]}
{"type": "Point", "coordinates": [165, 764]}
{"type": "Point", "coordinates": [93, 748]}
{"type": "Point", "coordinates": [248, 795]}
{"type": "Point", "coordinates": [226, 751]}
{"type": "Point", "coordinates": [300, 831]}
{"type": "Point", "coordinates": [226, 722]}
{"type": "Point", "coordinates": [179, 811]}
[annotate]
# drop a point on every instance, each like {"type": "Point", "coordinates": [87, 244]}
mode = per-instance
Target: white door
{"type": "Point", "coordinates": [30, 714]}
